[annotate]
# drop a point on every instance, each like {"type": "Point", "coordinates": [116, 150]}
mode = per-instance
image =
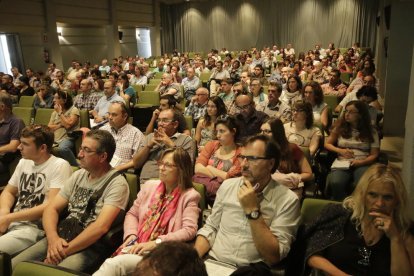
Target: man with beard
{"type": "Point", "coordinates": [249, 119]}
{"type": "Point", "coordinates": [166, 136]}
{"type": "Point", "coordinates": [254, 218]}
{"type": "Point", "coordinates": [35, 182]}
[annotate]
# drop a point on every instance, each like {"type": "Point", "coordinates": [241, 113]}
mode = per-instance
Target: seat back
{"type": "Point", "coordinates": [24, 113]}
{"type": "Point", "coordinates": [148, 99]}
{"type": "Point", "coordinates": [189, 121]}
{"type": "Point", "coordinates": [43, 115]}
{"type": "Point", "coordinates": [331, 101]}
{"type": "Point", "coordinates": [26, 101]}
{"type": "Point", "coordinates": [132, 180]}
{"type": "Point", "coordinates": [84, 118]}
{"type": "Point", "coordinates": [150, 87]}
{"type": "Point", "coordinates": [41, 269]}
{"type": "Point", "coordinates": [311, 207]}
{"type": "Point", "coordinates": [5, 264]}
{"type": "Point", "coordinates": [154, 81]}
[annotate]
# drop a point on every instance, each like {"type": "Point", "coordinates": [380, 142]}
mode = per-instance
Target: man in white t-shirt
{"type": "Point", "coordinates": [36, 181]}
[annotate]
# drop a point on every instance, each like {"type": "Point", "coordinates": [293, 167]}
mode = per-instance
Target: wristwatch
{"type": "Point", "coordinates": [253, 215]}
{"type": "Point", "coordinates": [158, 241]}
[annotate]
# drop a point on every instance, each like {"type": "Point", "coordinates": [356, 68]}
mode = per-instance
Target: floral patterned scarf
{"type": "Point", "coordinates": [160, 210]}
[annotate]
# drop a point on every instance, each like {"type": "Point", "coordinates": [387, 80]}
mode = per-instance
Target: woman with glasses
{"type": "Point", "coordinates": [294, 168]}
{"type": "Point", "coordinates": [165, 210]}
{"type": "Point", "coordinates": [64, 119]}
{"type": "Point", "coordinates": [138, 78]}
{"type": "Point", "coordinates": [314, 95]}
{"type": "Point", "coordinates": [370, 233]}
{"type": "Point", "coordinates": [356, 144]}
{"type": "Point", "coordinates": [256, 88]}
{"type": "Point", "coordinates": [205, 127]}
{"type": "Point", "coordinates": [218, 159]}
{"type": "Point", "coordinates": [301, 130]}
{"type": "Point", "coordinates": [126, 91]}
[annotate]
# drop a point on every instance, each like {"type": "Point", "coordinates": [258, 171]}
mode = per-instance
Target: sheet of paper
{"type": "Point", "coordinates": [341, 164]}
{"type": "Point", "coordinates": [215, 268]}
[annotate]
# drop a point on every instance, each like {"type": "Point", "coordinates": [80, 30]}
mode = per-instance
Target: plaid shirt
{"type": "Point", "coordinates": [196, 110]}
{"type": "Point", "coordinates": [128, 139]}
{"type": "Point", "coordinates": [87, 101]}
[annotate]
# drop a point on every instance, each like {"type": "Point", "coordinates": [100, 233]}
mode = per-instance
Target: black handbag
{"type": "Point", "coordinates": [70, 228]}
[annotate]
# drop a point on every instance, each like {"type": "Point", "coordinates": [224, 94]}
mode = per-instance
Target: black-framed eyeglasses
{"type": "Point", "coordinates": [164, 121]}
{"type": "Point", "coordinates": [251, 158]}
{"type": "Point", "coordinates": [265, 131]}
{"type": "Point", "coordinates": [298, 110]}
{"type": "Point", "coordinates": [87, 150]}
{"type": "Point", "coordinates": [243, 106]}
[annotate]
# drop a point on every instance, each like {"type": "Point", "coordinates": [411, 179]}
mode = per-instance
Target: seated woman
{"type": "Point", "coordinates": [370, 233]}
{"type": "Point", "coordinates": [138, 78]}
{"type": "Point", "coordinates": [314, 95]}
{"type": "Point", "coordinates": [301, 130]}
{"type": "Point", "coordinates": [126, 91]}
{"type": "Point", "coordinates": [293, 92]}
{"type": "Point", "coordinates": [256, 88]}
{"type": "Point", "coordinates": [356, 143]}
{"type": "Point", "coordinates": [64, 119]}
{"type": "Point", "coordinates": [294, 168]}
{"type": "Point", "coordinates": [205, 127]}
{"type": "Point", "coordinates": [165, 210]}
{"type": "Point", "coordinates": [218, 160]}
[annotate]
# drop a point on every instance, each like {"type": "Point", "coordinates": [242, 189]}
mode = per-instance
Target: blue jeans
{"type": "Point", "coordinates": [341, 183]}
{"type": "Point", "coordinates": [85, 260]}
{"type": "Point", "coordinates": [66, 149]}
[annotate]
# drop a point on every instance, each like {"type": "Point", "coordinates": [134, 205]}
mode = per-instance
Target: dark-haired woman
{"type": "Point", "coordinates": [293, 168]}
{"type": "Point", "coordinates": [356, 143]}
{"type": "Point", "coordinates": [314, 95]}
{"type": "Point", "coordinates": [218, 159]}
{"type": "Point", "coordinates": [126, 91]}
{"type": "Point", "coordinates": [64, 119]}
{"type": "Point", "coordinates": [293, 92]}
{"type": "Point", "coordinates": [205, 127]}
{"type": "Point", "coordinates": [301, 130]}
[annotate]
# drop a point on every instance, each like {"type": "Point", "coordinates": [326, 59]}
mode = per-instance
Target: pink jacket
{"type": "Point", "coordinates": [183, 225]}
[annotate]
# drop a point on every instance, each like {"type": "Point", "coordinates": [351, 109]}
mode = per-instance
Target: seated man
{"type": "Point", "coordinates": [167, 86]}
{"type": "Point", "coordinates": [335, 87]}
{"type": "Point", "coordinates": [44, 97]}
{"type": "Point", "coordinates": [217, 74]}
{"type": "Point", "coordinates": [168, 102]}
{"type": "Point", "coordinates": [9, 87]}
{"type": "Point", "coordinates": [10, 128]}
{"type": "Point", "coordinates": [166, 136]}
{"type": "Point", "coordinates": [80, 248]}
{"type": "Point", "coordinates": [100, 112]}
{"type": "Point", "coordinates": [273, 106]}
{"type": "Point", "coordinates": [127, 137]}
{"type": "Point", "coordinates": [198, 106]}
{"type": "Point", "coordinates": [226, 92]}
{"type": "Point", "coordinates": [34, 183]}
{"type": "Point", "coordinates": [249, 119]}
{"type": "Point", "coordinates": [190, 84]}
{"type": "Point", "coordinates": [86, 99]}
{"type": "Point", "coordinates": [254, 218]}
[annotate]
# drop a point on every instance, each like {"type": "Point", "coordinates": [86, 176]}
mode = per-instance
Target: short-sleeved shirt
{"type": "Point", "coordinates": [302, 137]}
{"type": "Point", "coordinates": [281, 110]}
{"type": "Point", "coordinates": [79, 188]}
{"type": "Point", "coordinates": [10, 129]}
{"type": "Point", "coordinates": [87, 101]}
{"type": "Point", "coordinates": [361, 149]}
{"type": "Point", "coordinates": [150, 167]}
{"type": "Point", "coordinates": [128, 139]}
{"type": "Point", "coordinates": [130, 91]}
{"type": "Point", "coordinates": [228, 230]}
{"type": "Point", "coordinates": [34, 181]}
{"type": "Point", "coordinates": [317, 112]}
{"type": "Point", "coordinates": [102, 105]}
{"type": "Point", "coordinates": [62, 133]}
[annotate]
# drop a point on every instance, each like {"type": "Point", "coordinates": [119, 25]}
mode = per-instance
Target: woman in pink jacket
{"type": "Point", "coordinates": [165, 210]}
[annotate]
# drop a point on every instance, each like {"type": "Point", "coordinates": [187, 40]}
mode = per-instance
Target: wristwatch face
{"type": "Point", "coordinates": [254, 214]}
{"type": "Point", "coordinates": [158, 241]}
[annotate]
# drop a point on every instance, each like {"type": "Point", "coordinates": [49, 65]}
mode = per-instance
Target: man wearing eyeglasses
{"type": "Point", "coordinates": [274, 107]}
{"type": "Point", "coordinates": [166, 136]}
{"type": "Point", "coordinates": [198, 105]}
{"type": "Point", "coordinates": [248, 119]}
{"type": "Point", "coordinates": [36, 181]}
{"type": "Point", "coordinates": [92, 209]}
{"type": "Point", "coordinates": [254, 219]}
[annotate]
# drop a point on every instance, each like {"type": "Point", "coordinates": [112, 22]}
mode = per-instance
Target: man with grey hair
{"type": "Point", "coordinates": [167, 86]}
{"type": "Point", "coordinates": [10, 128]}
